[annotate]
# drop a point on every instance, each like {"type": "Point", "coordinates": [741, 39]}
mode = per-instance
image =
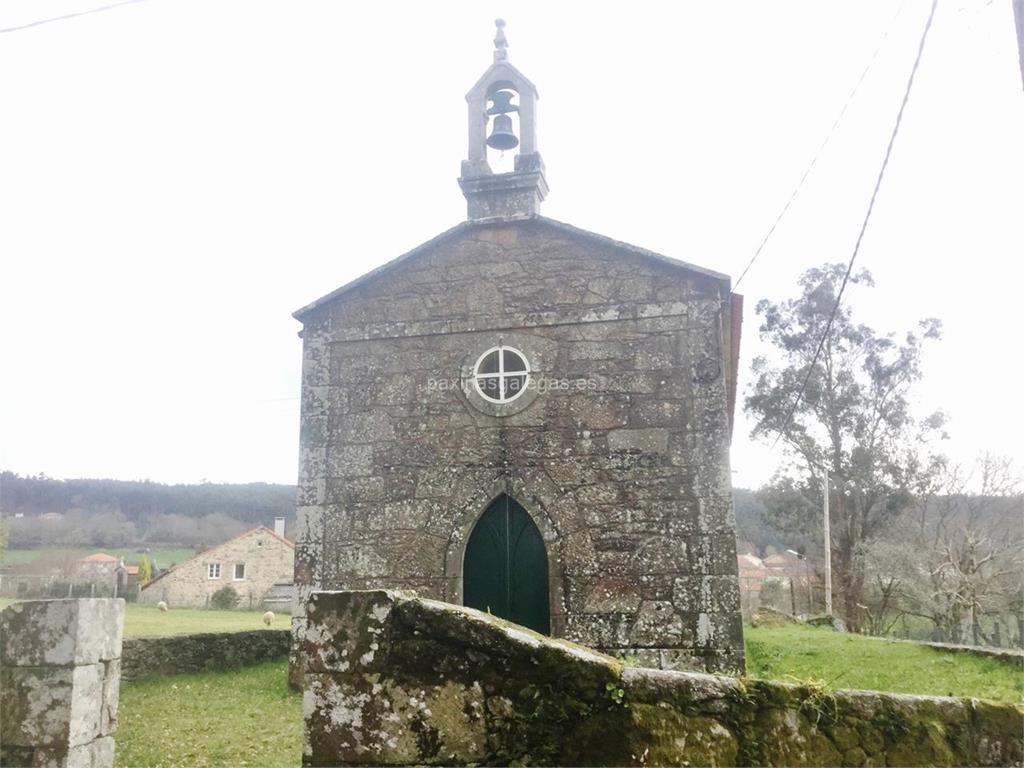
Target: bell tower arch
{"type": "Point", "coordinates": [499, 93]}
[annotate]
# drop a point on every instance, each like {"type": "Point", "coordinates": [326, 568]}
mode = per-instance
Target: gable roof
{"type": "Point", "coordinates": [466, 226]}
{"type": "Point", "coordinates": [99, 557]}
{"type": "Point", "coordinates": [198, 555]}
{"type": "Point", "coordinates": [501, 70]}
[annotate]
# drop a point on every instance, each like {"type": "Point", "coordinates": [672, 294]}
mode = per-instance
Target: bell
{"type": "Point", "coordinates": [502, 136]}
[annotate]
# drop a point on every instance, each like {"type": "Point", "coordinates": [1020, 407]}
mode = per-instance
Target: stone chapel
{"type": "Point", "coordinates": [529, 419]}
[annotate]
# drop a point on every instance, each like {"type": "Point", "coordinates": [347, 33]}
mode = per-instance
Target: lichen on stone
{"type": "Point", "coordinates": [453, 686]}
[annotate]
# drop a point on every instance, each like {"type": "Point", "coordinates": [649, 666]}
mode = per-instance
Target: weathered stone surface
{"type": "Point", "coordinates": [618, 450]}
{"type": "Point", "coordinates": [110, 697]}
{"type": "Point", "coordinates": [55, 633]}
{"type": "Point", "coordinates": [642, 440]}
{"type": "Point", "coordinates": [398, 680]}
{"type": "Point", "coordinates": [36, 705]}
{"type": "Point", "coordinates": [95, 754]}
{"type": "Point", "coordinates": [89, 704]}
{"type": "Point", "coordinates": [770, 617]}
{"type": "Point", "coordinates": [60, 678]}
{"type": "Point", "coordinates": [610, 596]}
{"type": "Point", "coordinates": [825, 620]}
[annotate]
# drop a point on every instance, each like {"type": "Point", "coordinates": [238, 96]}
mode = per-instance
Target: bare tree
{"type": "Point", "coordinates": [967, 549]}
{"type": "Point", "coordinates": [890, 571]}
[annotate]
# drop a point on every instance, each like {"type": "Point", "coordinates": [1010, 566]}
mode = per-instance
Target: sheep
{"type": "Point", "coordinates": [161, 606]}
{"type": "Point", "coordinates": [268, 618]}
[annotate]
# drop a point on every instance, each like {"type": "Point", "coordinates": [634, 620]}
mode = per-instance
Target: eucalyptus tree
{"type": "Point", "coordinates": [845, 408]}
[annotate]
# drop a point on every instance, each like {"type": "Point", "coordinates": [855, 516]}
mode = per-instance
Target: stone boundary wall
{"type": "Point", "coordinates": [60, 682]}
{"type": "Point", "coordinates": [391, 679]}
{"type": "Point", "coordinates": [203, 652]}
{"type": "Point", "coordinates": [1012, 656]}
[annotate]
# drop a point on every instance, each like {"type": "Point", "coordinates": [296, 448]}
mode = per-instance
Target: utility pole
{"type": "Point", "coordinates": [828, 548]}
{"type": "Point", "coordinates": [1018, 13]}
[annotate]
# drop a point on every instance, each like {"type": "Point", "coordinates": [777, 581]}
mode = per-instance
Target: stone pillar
{"type": "Point", "coordinates": [60, 673]}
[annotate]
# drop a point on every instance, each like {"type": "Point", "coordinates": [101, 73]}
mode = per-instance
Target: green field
{"type": "Point", "coordinates": [246, 717]}
{"type": "Point", "coordinates": [141, 619]}
{"type": "Point", "coordinates": [798, 653]}
{"type": "Point", "coordinates": [164, 558]}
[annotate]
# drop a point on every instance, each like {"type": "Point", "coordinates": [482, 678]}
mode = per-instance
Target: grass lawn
{"type": "Point", "coordinates": [164, 558]}
{"type": "Point", "coordinates": [840, 660]}
{"type": "Point", "coordinates": [142, 619]}
{"type": "Point", "coordinates": [244, 717]}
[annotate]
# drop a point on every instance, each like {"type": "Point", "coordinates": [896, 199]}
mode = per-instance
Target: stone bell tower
{"type": "Point", "coordinates": [502, 91]}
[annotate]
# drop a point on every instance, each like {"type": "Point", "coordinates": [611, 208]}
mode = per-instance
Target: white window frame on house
{"type": "Point", "coordinates": [235, 575]}
{"type": "Point", "coordinates": [502, 376]}
{"type": "Point", "coordinates": [213, 570]}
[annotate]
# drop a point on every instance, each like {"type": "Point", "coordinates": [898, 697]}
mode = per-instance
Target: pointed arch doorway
{"type": "Point", "coordinates": [505, 568]}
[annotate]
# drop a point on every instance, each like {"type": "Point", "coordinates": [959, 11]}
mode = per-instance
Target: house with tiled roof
{"type": "Point", "coordinates": [99, 569]}
{"type": "Point", "coordinates": [251, 563]}
{"type": "Point", "coordinates": [99, 557]}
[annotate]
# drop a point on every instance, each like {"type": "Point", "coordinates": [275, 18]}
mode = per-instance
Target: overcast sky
{"type": "Point", "coordinates": [178, 176]}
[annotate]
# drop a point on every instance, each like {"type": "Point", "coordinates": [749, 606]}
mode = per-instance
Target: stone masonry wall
{"type": "Point", "coordinates": [268, 559]}
{"type": "Point", "coordinates": [626, 476]}
{"type": "Point", "coordinates": [397, 680]}
{"type": "Point", "coordinates": [179, 654]}
{"type": "Point", "coordinates": [1012, 656]}
{"type": "Point", "coordinates": [60, 679]}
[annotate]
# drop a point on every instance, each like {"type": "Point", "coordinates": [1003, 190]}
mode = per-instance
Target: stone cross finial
{"type": "Point", "coordinates": [500, 41]}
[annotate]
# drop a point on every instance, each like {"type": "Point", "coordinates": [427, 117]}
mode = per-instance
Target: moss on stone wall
{"type": "Point", "coordinates": [396, 680]}
{"type": "Point", "coordinates": [200, 652]}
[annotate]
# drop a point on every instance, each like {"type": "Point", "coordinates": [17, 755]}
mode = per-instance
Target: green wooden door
{"type": "Point", "coordinates": [505, 570]}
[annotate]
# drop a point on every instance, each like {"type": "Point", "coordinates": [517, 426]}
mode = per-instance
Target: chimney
{"type": "Point", "coordinates": [279, 526]}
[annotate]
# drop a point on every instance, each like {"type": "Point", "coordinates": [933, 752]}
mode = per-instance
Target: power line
{"type": "Point", "coordinates": [863, 226]}
{"type": "Point", "coordinates": [814, 159]}
{"type": "Point", "coordinates": [70, 15]}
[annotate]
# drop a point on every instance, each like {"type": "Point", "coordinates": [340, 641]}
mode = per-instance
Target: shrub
{"type": "Point", "coordinates": [225, 597]}
{"type": "Point", "coordinates": [145, 571]}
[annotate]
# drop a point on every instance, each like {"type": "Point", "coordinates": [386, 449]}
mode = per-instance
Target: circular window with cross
{"type": "Point", "coordinates": [501, 374]}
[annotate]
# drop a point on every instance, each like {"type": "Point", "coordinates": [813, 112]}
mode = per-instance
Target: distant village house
{"type": "Point", "coordinates": [253, 564]}
{"type": "Point", "coordinates": [96, 575]}
{"type": "Point", "coordinates": [99, 568]}
{"type": "Point", "coordinates": [787, 570]}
